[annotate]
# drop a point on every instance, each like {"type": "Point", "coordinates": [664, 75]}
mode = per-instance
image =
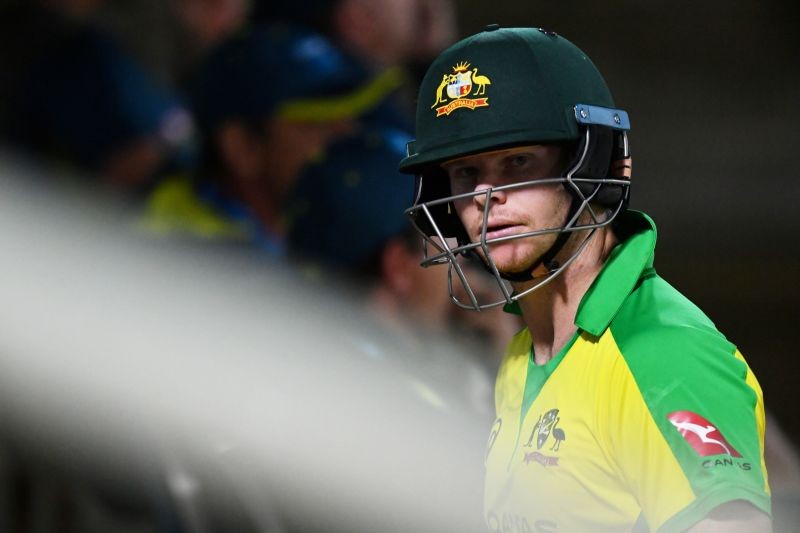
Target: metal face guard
{"type": "Point", "coordinates": [447, 253]}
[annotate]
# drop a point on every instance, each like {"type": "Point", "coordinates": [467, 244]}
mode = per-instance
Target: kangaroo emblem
{"type": "Point", "coordinates": [701, 434]}
{"type": "Point", "coordinates": [440, 91]}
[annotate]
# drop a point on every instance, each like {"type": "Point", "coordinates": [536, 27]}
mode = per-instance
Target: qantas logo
{"type": "Point", "coordinates": [701, 434]}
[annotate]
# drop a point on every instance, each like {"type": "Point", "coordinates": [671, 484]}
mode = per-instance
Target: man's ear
{"type": "Point", "coordinates": [239, 150]}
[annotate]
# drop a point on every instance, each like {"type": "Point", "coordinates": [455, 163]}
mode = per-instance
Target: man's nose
{"type": "Point", "coordinates": [488, 191]}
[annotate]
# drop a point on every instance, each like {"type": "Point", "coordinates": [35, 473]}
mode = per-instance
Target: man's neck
{"type": "Point", "coordinates": [549, 312]}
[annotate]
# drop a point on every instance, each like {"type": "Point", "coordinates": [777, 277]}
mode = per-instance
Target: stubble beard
{"type": "Point", "coordinates": [521, 256]}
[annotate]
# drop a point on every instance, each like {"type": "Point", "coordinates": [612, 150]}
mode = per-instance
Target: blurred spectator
{"type": "Point", "coordinates": [333, 209]}
{"type": "Point", "coordinates": [198, 26]}
{"type": "Point", "coordinates": [210, 22]}
{"type": "Point", "coordinates": [381, 33]}
{"type": "Point", "coordinates": [402, 35]}
{"type": "Point", "coordinates": [347, 221]}
{"type": "Point", "coordinates": [267, 101]}
{"type": "Point", "coordinates": [72, 95]}
{"type": "Point", "coordinates": [346, 214]}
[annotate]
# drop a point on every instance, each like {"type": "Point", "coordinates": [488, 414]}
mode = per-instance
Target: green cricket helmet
{"type": "Point", "coordinates": [507, 87]}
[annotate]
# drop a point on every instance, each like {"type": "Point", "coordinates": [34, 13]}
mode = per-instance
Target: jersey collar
{"type": "Point", "coordinates": [629, 260]}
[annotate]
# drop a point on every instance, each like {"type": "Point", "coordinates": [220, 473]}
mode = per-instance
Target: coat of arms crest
{"type": "Point", "coordinates": [457, 87]}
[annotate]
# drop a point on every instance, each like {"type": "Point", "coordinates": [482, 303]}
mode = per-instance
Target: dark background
{"type": "Point", "coordinates": [712, 91]}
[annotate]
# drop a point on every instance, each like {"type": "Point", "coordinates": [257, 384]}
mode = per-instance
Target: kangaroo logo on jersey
{"type": "Point", "coordinates": [455, 88]}
{"type": "Point", "coordinates": [701, 434]}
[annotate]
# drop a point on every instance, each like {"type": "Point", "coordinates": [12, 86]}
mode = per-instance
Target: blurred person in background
{"type": "Point", "coordinates": [340, 223]}
{"type": "Point", "coordinates": [267, 101]}
{"type": "Point", "coordinates": [401, 36]}
{"type": "Point", "coordinates": [209, 22]}
{"type": "Point", "coordinates": [74, 97]}
{"type": "Point", "coordinates": [201, 26]}
{"type": "Point", "coordinates": [381, 33]}
{"type": "Point", "coordinates": [347, 226]}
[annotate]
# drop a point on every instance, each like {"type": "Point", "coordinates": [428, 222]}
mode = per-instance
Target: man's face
{"type": "Point", "coordinates": [382, 32]}
{"type": "Point", "coordinates": [514, 211]}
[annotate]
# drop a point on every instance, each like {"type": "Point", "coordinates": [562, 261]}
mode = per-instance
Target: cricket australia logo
{"type": "Point", "coordinates": [545, 428]}
{"type": "Point", "coordinates": [454, 90]}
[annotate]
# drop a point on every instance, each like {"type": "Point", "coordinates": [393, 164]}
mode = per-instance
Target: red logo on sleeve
{"type": "Point", "coordinates": [701, 434]}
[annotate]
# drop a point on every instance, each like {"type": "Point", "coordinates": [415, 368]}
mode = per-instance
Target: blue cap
{"type": "Point", "coordinates": [284, 71]}
{"type": "Point", "coordinates": [345, 209]}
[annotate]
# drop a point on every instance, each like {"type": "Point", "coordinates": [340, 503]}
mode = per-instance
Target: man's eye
{"type": "Point", "coordinates": [520, 160]}
{"type": "Point", "coordinates": [463, 179]}
{"type": "Point", "coordinates": [465, 173]}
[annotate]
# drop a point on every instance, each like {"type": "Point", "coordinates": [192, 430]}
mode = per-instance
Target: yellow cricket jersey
{"type": "Point", "coordinates": [648, 418]}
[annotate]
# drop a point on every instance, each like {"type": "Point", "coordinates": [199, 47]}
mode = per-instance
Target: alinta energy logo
{"type": "Point", "coordinates": [545, 429]}
{"type": "Point", "coordinates": [455, 89]}
{"type": "Point", "coordinates": [705, 439]}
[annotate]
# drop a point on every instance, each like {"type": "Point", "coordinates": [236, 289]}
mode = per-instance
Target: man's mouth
{"type": "Point", "coordinates": [495, 231]}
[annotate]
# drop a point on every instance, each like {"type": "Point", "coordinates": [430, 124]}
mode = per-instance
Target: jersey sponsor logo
{"type": "Point", "coordinates": [514, 523]}
{"type": "Point", "coordinates": [540, 458]}
{"type": "Point", "coordinates": [548, 435]}
{"type": "Point", "coordinates": [701, 434]}
{"type": "Point", "coordinates": [456, 87]}
{"type": "Point", "coordinates": [725, 462]}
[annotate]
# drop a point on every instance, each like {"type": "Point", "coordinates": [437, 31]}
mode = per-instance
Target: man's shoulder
{"type": "Point", "coordinates": [660, 332]}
